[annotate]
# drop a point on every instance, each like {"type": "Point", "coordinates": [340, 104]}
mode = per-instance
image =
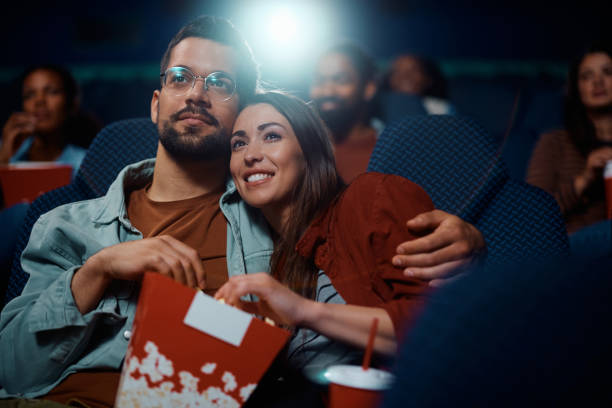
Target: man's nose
{"type": "Point", "coordinates": [198, 92]}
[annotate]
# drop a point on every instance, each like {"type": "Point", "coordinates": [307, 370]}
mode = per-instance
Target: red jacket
{"type": "Point", "coordinates": [354, 240]}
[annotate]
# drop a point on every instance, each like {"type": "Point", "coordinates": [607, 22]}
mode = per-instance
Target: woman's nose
{"type": "Point", "coordinates": [40, 99]}
{"type": "Point", "coordinates": [253, 153]}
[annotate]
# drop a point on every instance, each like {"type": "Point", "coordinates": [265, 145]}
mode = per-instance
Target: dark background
{"type": "Point", "coordinates": [505, 61]}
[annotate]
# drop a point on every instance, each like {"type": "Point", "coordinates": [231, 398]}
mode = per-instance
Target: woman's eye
{"type": "Point", "coordinates": [272, 136]}
{"type": "Point", "coordinates": [237, 144]}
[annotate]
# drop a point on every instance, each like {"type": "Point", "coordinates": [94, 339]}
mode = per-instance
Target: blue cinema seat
{"type": "Point", "coordinates": [116, 145]}
{"type": "Point", "coordinates": [459, 165]}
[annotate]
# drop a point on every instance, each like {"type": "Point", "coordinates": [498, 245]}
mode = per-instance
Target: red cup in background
{"type": "Point", "coordinates": [352, 386]}
{"type": "Point", "coordinates": [608, 184]}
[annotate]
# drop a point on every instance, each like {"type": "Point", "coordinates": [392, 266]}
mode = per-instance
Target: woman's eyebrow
{"type": "Point", "coordinates": [239, 133]}
{"type": "Point", "coordinates": [263, 126]}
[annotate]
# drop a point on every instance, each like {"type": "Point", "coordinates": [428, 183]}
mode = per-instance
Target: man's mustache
{"type": "Point", "coordinates": [196, 111]}
{"type": "Point", "coordinates": [334, 99]}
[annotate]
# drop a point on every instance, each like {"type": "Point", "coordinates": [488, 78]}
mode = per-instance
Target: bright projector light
{"type": "Point", "coordinates": [285, 33]}
{"type": "Point", "coordinates": [282, 27]}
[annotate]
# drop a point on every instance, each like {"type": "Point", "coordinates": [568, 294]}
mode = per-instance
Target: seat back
{"type": "Point", "coordinates": [116, 145]}
{"type": "Point", "coordinates": [459, 165]}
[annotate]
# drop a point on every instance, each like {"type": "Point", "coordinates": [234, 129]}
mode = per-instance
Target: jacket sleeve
{"type": "Point", "coordinates": [375, 210]}
{"type": "Point", "coordinates": [42, 330]}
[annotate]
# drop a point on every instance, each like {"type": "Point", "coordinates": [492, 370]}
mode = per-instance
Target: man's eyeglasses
{"type": "Point", "coordinates": [179, 80]}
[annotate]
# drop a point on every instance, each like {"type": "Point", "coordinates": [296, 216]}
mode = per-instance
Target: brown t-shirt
{"type": "Point", "coordinates": [197, 222]}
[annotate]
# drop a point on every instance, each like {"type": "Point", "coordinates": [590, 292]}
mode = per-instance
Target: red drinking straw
{"type": "Point", "coordinates": [370, 346]}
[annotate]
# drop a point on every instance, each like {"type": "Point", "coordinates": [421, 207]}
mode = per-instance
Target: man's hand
{"type": "Point", "coordinates": [130, 260]}
{"type": "Point", "coordinates": [163, 254]}
{"type": "Point", "coordinates": [448, 246]}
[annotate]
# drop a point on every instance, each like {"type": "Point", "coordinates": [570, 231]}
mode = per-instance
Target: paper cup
{"type": "Point", "coordinates": [352, 386]}
{"type": "Point", "coordinates": [608, 184]}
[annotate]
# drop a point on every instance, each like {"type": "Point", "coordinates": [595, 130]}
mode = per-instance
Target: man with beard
{"type": "Point", "coordinates": [343, 86]}
{"type": "Point", "coordinates": [66, 335]}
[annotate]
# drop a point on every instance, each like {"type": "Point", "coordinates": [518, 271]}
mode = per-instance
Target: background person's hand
{"type": "Point", "coordinates": [276, 300]}
{"type": "Point", "coordinates": [445, 247]}
{"type": "Point", "coordinates": [596, 161]}
{"type": "Point", "coordinates": [18, 127]}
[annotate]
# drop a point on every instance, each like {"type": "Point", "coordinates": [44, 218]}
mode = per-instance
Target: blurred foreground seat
{"type": "Point", "coordinates": [460, 167]}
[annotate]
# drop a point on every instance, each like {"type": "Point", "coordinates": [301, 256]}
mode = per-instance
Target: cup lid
{"type": "Point", "coordinates": [357, 377]}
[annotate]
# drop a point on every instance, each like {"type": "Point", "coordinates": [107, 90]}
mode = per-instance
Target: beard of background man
{"type": "Point", "coordinates": [340, 119]}
{"type": "Point", "coordinates": [192, 144]}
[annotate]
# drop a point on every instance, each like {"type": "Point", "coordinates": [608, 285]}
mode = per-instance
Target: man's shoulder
{"type": "Point", "coordinates": [78, 212]}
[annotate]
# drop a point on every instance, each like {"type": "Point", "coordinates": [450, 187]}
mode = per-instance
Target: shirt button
{"type": "Point", "coordinates": [127, 334]}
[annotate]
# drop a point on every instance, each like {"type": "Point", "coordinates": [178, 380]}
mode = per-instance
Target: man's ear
{"type": "Point", "coordinates": [155, 106]}
{"type": "Point", "coordinates": [369, 91]}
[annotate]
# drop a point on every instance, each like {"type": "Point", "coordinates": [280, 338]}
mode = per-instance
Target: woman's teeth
{"type": "Point", "coordinates": [257, 177]}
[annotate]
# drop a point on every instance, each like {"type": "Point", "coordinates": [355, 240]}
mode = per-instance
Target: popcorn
{"type": "Point", "coordinates": [208, 368]}
{"type": "Point", "coordinates": [245, 392]}
{"type": "Point", "coordinates": [229, 380]}
{"type": "Point", "coordinates": [135, 390]}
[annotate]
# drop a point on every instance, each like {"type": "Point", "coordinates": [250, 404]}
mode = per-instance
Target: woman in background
{"type": "Point", "coordinates": [420, 76]}
{"type": "Point", "coordinates": [569, 163]}
{"type": "Point", "coordinates": [50, 126]}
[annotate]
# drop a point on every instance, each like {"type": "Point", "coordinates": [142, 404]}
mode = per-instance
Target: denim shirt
{"type": "Point", "coordinates": [43, 336]}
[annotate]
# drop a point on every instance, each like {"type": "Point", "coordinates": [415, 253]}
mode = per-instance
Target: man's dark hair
{"type": "Point", "coordinates": [222, 31]}
{"type": "Point", "coordinates": [360, 59]}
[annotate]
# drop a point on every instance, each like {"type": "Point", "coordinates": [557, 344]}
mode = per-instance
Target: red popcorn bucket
{"type": "Point", "coordinates": [189, 350]}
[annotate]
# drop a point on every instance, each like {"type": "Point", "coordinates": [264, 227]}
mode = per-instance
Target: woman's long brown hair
{"type": "Point", "coordinates": [312, 194]}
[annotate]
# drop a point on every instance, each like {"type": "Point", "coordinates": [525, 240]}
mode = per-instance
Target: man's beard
{"type": "Point", "coordinates": [339, 120]}
{"type": "Point", "coordinates": [191, 144]}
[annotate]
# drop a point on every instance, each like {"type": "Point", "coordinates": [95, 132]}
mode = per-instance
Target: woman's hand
{"type": "Point", "coordinates": [595, 162]}
{"type": "Point", "coordinates": [18, 127]}
{"type": "Point", "coordinates": [276, 301]}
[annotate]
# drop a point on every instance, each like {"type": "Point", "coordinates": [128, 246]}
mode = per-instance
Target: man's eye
{"type": "Point", "coordinates": [179, 79]}
{"type": "Point", "coordinates": [219, 83]}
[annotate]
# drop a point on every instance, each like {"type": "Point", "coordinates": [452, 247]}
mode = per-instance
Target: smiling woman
{"type": "Point", "coordinates": [331, 267]}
